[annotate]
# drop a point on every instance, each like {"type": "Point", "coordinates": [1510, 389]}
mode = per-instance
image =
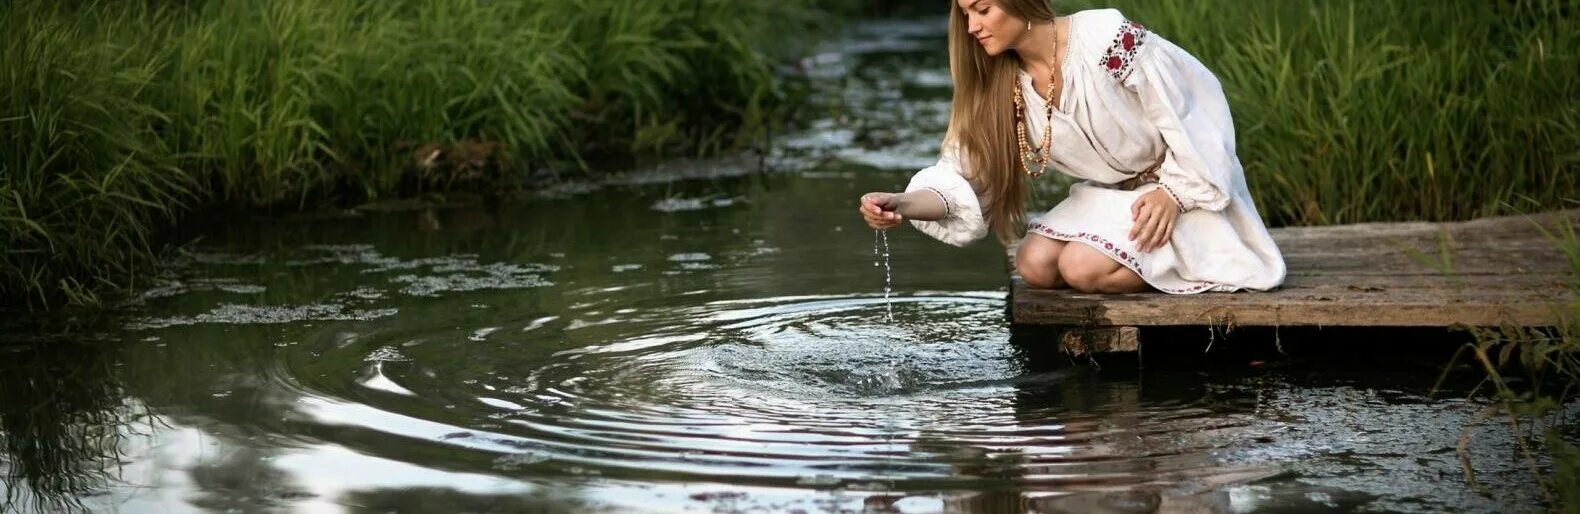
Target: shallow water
{"type": "Point", "coordinates": [703, 336]}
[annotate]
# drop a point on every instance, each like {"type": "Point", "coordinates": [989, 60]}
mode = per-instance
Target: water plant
{"type": "Point", "coordinates": [1534, 374]}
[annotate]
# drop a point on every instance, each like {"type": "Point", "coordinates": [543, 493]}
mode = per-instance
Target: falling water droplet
{"type": "Point", "coordinates": [875, 235]}
{"type": "Point", "coordinates": [879, 236]}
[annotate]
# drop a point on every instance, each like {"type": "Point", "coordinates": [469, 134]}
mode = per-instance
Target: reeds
{"type": "Point", "coordinates": [116, 117]}
{"type": "Point", "coordinates": [1534, 373]}
{"type": "Point", "coordinates": [84, 174]}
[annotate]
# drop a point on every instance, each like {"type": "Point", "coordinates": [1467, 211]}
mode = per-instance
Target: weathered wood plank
{"type": "Point", "coordinates": [1078, 342]}
{"type": "Point", "coordinates": [1395, 309]}
{"type": "Point", "coordinates": [1502, 270]}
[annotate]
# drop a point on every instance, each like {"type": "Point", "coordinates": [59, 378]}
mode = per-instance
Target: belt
{"type": "Point", "coordinates": [1148, 176]}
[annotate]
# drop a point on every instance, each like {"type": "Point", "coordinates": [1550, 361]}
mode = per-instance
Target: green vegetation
{"type": "Point", "coordinates": [1535, 373]}
{"type": "Point", "coordinates": [116, 118]}
{"type": "Point", "coordinates": [1351, 111]}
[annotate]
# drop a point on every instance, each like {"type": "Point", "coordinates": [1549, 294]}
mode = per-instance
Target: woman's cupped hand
{"type": "Point", "coordinates": [877, 209]}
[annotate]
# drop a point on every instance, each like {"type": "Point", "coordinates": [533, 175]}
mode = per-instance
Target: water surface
{"type": "Point", "coordinates": [702, 336]}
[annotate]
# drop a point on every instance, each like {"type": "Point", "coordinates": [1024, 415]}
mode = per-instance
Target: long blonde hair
{"type": "Point", "coordinates": [982, 116]}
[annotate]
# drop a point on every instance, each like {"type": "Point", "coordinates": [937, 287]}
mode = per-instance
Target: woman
{"type": "Point", "coordinates": [1162, 202]}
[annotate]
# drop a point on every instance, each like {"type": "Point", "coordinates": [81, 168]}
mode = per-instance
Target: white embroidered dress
{"type": "Point", "coordinates": [1133, 101]}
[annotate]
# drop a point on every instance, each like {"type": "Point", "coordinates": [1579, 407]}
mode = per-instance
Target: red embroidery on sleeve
{"type": "Point", "coordinates": [1122, 52]}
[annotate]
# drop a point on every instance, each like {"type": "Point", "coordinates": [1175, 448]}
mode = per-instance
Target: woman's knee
{"type": "Point", "coordinates": [1042, 278]}
{"type": "Point", "coordinates": [1037, 261]}
{"type": "Point", "coordinates": [1084, 269]}
{"type": "Point", "coordinates": [1082, 279]}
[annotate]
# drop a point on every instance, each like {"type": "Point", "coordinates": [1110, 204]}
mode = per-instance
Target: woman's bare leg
{"type": "Point", "coordinates": [1037, 260]}
{"type": "Point", "coordinates": [1088, 270]}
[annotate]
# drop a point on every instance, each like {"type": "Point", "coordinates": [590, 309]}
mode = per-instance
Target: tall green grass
{"type": "Point", "coordinates": [84, 172]}
{"type": "Point", "coordinates": [117, 117]}
{"type": "Point", "coordinates": [1351, 111]}
{"type": "Point", "coordinates": [1534, 373]}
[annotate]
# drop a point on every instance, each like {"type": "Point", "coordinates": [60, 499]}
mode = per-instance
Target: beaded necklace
{"type": "Point", "coordinates": [1042, 155]}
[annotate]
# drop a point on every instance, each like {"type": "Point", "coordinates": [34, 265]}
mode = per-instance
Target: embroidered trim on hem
{"type": "Point", "coordinates": [1120, 255]}
{"type": "Point", "coordinates": [1122, 52]}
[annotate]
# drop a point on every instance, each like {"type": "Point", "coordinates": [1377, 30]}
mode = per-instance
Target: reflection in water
{"type": "Point", "coordinates": [654, 344]}
{"type": "Point", "coordinates": [241, 478]}
{"type": "Point", "coordinates": [62, 417]}
{"type": "Point", "coordinates": [801, 401]}
{"type": "Point", "coordinates": [420, 499]}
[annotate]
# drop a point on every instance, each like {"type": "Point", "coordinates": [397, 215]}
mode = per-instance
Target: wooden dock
{"type": "Point", "coordinates": [1485, 272]}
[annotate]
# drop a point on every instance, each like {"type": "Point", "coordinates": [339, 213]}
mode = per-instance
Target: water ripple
{"type": "Point", "coordinates": [784, 392]}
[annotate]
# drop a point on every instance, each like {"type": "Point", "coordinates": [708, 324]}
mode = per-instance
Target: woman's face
{"type": "Point", "coordinates": [993, 28]}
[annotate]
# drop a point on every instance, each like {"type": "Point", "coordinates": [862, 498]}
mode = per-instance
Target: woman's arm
{"type": "Point", "coordinates": [920, 205]}
{"type": "Point", "coordinates": [883, 211]}
{"type": "Point", "coordinates": [939, 201]}
{"type": "Point", "coordinates": [1186, 103]}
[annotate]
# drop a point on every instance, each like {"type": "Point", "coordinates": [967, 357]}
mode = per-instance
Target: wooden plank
{"type": "Point", "coordinates": [1078, 342]}
{"type": "Point", "coordinates": [1503, 271]}
{"type": "Point", "coordinates": [1386, 281]}
{"type": "Point", "coordinates": [1346, 308]}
